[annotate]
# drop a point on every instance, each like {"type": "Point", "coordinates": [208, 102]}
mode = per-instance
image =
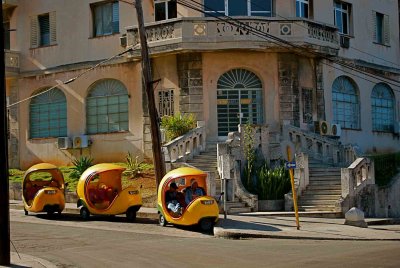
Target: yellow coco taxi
{"type": "Point", "coordinates": [202, 210]}
{"type": "Point", "coordinates": [43, 189]}
{"type": "Point", "coordinates": [100, 192]}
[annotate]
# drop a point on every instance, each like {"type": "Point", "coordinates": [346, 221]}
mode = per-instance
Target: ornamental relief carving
{"type": "Point", "coordinates": [227, 29]}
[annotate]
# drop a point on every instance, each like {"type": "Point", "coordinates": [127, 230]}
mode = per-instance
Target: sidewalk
{"type": "Point", "coordinates": [23, 260]}
{"type": "Point", "coordinates": [273, 225]}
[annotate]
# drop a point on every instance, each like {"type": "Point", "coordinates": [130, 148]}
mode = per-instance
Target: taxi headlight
{"type": "Point", "coordinates": [207, 202]}
{"type": "Point", "coordinates": [133, 192]}
{"type": "Point", "coordinates": [50, 191]}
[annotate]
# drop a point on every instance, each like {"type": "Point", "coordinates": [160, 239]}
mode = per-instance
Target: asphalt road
{"type": "Point", "coordinates": [113, 242]}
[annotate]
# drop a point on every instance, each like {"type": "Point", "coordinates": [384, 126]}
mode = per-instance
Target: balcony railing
{"type": "Point", "coordinates": [210, 33]}
{"type": "Point", "coordinates": [11, 59]}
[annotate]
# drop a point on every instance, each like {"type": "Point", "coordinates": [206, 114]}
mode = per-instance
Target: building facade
{"type": "Point", "coordinates": [228, 62]}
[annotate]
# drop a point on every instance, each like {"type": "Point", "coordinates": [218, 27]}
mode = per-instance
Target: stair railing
{"type": "Point", "coordinates": [185, 147]}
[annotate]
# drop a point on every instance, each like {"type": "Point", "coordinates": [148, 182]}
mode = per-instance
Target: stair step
{"type": "Point", "coordinates": [327, 177]}
{"type": "Point", "coordinates": [325, 198]}
{"type": "Point", "coordinates": [313, 202]}
{"type": "Point", "coordinates": [232, 204]}
{"type": "Point", "coordinates": [324, 187]}
{"type": "Point", "coordinates": [235, 210]}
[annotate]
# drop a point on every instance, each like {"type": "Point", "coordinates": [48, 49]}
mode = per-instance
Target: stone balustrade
{"type": "Point", "coordinates": [184, 147]}
{"type": "Point", "coordinates": [247, 32]}
{"type": "Point", "coordinates": [354, 179]}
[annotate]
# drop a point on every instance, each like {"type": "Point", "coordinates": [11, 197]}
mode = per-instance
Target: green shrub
{"type": "Point", "coordinates": [178, 125]}
{"type": "Point", "coordinates": [135, 168]}
{"type": "Point", "coordinates": [80, 165]}
{"type": "Point", "coordinates": [386, 167]}
{"type": "Point", "coordinates": [272, 184]}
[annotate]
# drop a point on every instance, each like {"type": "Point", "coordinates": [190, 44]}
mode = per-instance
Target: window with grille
{"type": "Point", "coordinates": [105, 18]}
{"type": "Point", "coordinates": [107, 107]}
{"type": "Point", "coordinates": [383, 104]}
{"type": "Point", "coordinates": [166, 102]}
{"type": "Point", "coordinates": [164, 10]}
{"type": "Point", "coordinates": [342, 12]}
{"type": "Point", "coordinates": [239, 100]}
{"type": "Point", "coordinates": [238, 8]}
{"type": "Point", "coordinates": [48, 115]}
{"type": "Point", "coordinates": [307, 101]}
{"type": "Point", "coordinates": [346, 107]}
{"type": "Point", "coordinates": [43, 30]}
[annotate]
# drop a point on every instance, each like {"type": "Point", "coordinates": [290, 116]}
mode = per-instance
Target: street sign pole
{"type": "Point", "coordinates": [5, 255]}
{"type": "Point", "coordinates": [296, 210]}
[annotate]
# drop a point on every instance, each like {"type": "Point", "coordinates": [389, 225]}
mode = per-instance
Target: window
{"type": "Point", "coordinates": [48, 115]}
{"type": "Point", "coordinates": [346, 108]}
{"type": "Point", "coordinates": [238, 8]}
{"type": "Point", "coordinates": [382, 100]}
{"type": "Point", "coordinates": [164, 10]}
{"type": "Point", "coordinates": [381, 33]}
{"type": "Point", "coordinates": [107, 107]}
{"type": "Point", "coordinates": [105, 18]}
{"type": "Point", "coordinates": [342, 17]}
{"type": "Point", "coordinates": [165, 102]}
{"type": "Point", "coordinates": [43, 30]}
{"type": "Point", "coordinates": [303, 8]}
{"type": "Point", "coordinates": [6, 28]}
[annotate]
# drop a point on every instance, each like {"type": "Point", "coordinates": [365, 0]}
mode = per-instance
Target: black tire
{"type": "Point", "coordinates": [131, 214]}
{"type": "Point", "coordinates": [85, 214]}
{"type": "Point", "coordinates": [26, 212]}
{"type": "Point", "coordinates": [206, 224]}
{"type": "Point", "coordinates": [161, 220]}
{"type": "Point", "coordinates": [50, 212]}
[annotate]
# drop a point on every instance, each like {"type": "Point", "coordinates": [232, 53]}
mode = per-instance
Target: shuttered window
{"type": "Point", "coordinates": [383, 104]}
{"type": "Point", "coordinates": [107, 107]}
{"type": "Point", "coordinates": [43, 30]}
{"type": "Point", "coordinates": [48, 115]}
{"type": "Point", "coordinates": [381, 25]}
{"type": "Point", "coordinates": [105, 18]}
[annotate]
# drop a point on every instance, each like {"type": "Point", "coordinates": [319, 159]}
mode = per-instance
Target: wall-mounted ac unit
{"type": "Point", "coordinates": [64, 143]}
{"type": "Point", "coordinates": [81, 141]}
{"type": "Point", "coordinates": [344, 41]}
{"type": "Point", "coordinates": [324, 128]}
{"type": "Point", "coordinates": [336, 130]}
{"type": "Point", "coordinates": [123, 40]}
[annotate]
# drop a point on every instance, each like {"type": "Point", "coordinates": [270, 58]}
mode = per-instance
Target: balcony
{"type": "Point", "coordinates": [207, 34]}
{"type": "Point", "coordinates": [11, 59]}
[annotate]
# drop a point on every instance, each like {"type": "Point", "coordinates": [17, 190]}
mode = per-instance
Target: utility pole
{"type": "Point", "coordinates": [5, 257]}
{"type": "Point", "coordinates": [148, 84]}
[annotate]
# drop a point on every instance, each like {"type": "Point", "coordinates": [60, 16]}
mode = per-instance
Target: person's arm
{"type": "Point", "coordinates": [188, 196]}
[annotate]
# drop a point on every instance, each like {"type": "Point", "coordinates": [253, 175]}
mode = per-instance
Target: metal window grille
{"type": "Point", "coordinates": [166, 102]}
{"type": "Point", "coordinates": [307, 100]}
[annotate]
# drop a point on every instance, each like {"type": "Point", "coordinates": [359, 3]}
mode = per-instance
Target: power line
{"type": "Point", "coordinates": [72, 79]}
{"type": "Point", "coordinates": [200, 7]}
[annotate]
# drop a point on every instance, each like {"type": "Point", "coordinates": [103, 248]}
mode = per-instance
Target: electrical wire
{"type": "Point", "coordinates": [200, 7]}
{"type": "Point", "coordinates": [74, 78]}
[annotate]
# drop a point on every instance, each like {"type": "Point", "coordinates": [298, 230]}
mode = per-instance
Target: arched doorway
{"type": "Point", "coordinates": [239, 100]}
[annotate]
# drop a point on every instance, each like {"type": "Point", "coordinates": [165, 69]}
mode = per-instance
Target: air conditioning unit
{"type": "Point", "coordinates": [336, 130]}
{"type": "Point", "coordinates": [64, 143]}
{"type": "Point", "coordinates": [123, 41]}
{"type": "Point", "coordinates": [81, 141]}
{"type": "Point", "coordinates": [344, 41]}
{"type": "Point", "coordinates": [324, 128]}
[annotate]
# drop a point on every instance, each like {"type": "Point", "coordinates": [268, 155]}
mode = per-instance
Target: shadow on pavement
{"type": "Point", "coordinates": [93, 218]}
{"type": "Point", "coordinates": [254, 226]}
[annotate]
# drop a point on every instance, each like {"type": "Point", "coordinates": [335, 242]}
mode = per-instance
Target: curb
{"type": "Point", "coordinates": [220, 232]}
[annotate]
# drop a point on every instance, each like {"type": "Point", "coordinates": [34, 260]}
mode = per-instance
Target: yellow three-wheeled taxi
{"type": "Point", "coordinates": [100, 192]}
{"type": "Point", "coordinates": [202, 210]}
{"type": "Point", "coordinates": [43, 189]}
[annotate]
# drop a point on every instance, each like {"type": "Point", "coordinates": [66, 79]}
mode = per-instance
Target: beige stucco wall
{"type": "Point", "coordinates": [105, 147]}
{"type": "Point", "coordinates": [365, 137]}
{"type": "Point", "coordinates": [264, 65]}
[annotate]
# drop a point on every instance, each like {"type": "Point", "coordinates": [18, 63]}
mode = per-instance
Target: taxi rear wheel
{"type": "Point", "coordinates": [162, 221]}
{"type": "Point", "coordinates": [131, 214]}
{"type": "Point", "coordinates": [26, 212]}
{"type": "Point", "coordinates": [206, 224]}
{"type": "Point", "coordinates": [85, 214]}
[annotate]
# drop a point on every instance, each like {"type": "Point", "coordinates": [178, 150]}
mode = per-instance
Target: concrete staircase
{"type": "Point", "coordinates": [207, 161]}
{"type": "Point", "coordinates": [324, 188]}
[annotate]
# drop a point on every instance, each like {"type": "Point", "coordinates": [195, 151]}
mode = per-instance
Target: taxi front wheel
{"type": "Point", "coordinates": [206, 224]}
{"type": "Point", "coordinates": [161, 220]}
{"type": "Point", "coordinates": [85, 214]}
{"type": "Point", "coordinates": [131, 214]}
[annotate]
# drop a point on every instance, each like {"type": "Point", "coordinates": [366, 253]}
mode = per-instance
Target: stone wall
{"type": "Point", "coordinates": [13, 137]}
{"type": "Point", "coordinates": [289, 89]}
{"type": "Point", "coordinates": [320, 91]}
{"type": "Point", "coordinates": [190, 74]}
